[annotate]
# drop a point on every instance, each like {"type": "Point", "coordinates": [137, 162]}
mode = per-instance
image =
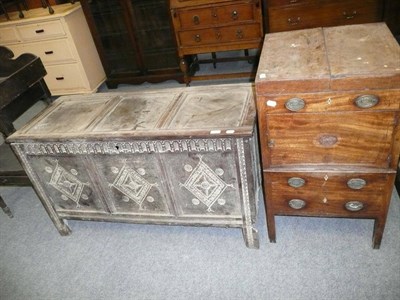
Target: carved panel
{"type": "Point", "coordinates": [133, 184]}
{"type": "Point", "coordinates": [204, 184]}
{"type": "Point", "coordinates": [67, 183]}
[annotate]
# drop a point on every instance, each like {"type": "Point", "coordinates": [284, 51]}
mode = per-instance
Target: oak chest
{"type": "Point", "coordinates": [174, 156]}
{"type": "Point", "coordinates": [328, 102]}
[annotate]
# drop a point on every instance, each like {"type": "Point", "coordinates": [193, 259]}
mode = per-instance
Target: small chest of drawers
{"type": "Point", "coordinates": [328, 102]}
{"type": "Point", "coordinates": [204, 26]}
{"type": "Point", "coordinates": [64, 44]}
{"type": "Point", "coordinates": [284, 15]}
{"type": "Point", "coordinates": [176, 156]}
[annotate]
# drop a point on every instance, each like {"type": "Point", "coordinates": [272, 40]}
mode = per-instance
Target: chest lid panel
{"type": "Point", "coordinates": [351, 57]}
{"type": "Point", "coordinates": [220, 110]}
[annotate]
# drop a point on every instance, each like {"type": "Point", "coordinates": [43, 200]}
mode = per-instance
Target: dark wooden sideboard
{"type": "Point", "coordinates": [135, 40]}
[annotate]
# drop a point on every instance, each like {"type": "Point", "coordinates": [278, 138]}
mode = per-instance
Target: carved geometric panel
{"type": "Point", "coordinates": [204, 184]}
{"type": "Point", "coordinates": [132, 184]}
{"type": "Point", "coordinates": [67, 183]}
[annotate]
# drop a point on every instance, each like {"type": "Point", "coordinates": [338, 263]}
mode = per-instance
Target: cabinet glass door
{"type": "Point", "coordinates": [154, 34]}
{"type": "Point", "coordinates": [109, 18]}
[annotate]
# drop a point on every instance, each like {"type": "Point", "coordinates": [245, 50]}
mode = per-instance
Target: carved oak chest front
{"type": "Point", "coordinates": [174, 156]}
{"type": "Point", "coordinates": [328, 104]}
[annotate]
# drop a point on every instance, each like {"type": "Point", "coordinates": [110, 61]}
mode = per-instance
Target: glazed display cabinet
{"type": "Point", "coordinates": [135, 40]}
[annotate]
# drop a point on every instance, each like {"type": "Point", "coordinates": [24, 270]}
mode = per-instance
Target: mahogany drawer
{"type": "Point", "coordinates": [372, 100]}
{"type": "Point", "coordinates": [223, 14]}
{"type": "Point", "coordinates": [323, 14]}
{"type": "Point", "coordinates": [219, 35]}
{"type": "Point", "coordinates": [348, 194]}
{"type": "Point", "coordinates": [356, 138]}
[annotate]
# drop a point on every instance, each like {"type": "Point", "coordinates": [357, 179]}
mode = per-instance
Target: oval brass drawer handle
{"type": "Point", "coordinates": [297, 203]}
{"type": "Point", "coordinates": [197, 38]}
{"type": "Point", "coordinates": [295, 104]}
{"type": "Point", "coordinates": [354, 206]}
{"type": "Point", "coordinates": [296, 182]}
{"type": "Point", "coordinates": [366, 101]}
{"type": "Point", "coordinates": [356, 183]}
{"type": "Point", "coordinates": [349, 16]}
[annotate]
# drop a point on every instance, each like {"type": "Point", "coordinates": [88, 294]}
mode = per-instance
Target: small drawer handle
{"type": "Point", "coordinates": [295, 104]}
{"type": "Point", "coordinates": [197, 38]}
{"type": "Point", "coordinates": [349, 16]}
{"type": "Point", "coordinates": [356, 183]}
{"type": "Point", "coordinates": [366, 101]}
{"type": "Point", "coordinates": [196, 20]}
{"type": "Point", "coordinates": [48, 52]}
{"type": "Point", "coordinates": [295, 21]}
{"type": "Point", "coordinates": [39, 31]}
{"type": "Point", "coordinates": [296, 182]}
{"type": "Point", "coordinates": [234, 15]}
{"type": "Point", "coordinates": [354, 206]}
{"type": "Point", "coordinates": [297, 203]}
{"type": "Point", "coordinates": [60, 78]}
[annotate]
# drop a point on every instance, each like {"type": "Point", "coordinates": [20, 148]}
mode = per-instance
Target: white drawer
{"type": "Point", "coordinates": [42, 30]}
{"type": "Point", "coordinates": [50, 52]}
{"type": "Point", "coordinates": [8, 35]}
{"type": "Point", "coordinates": [62, 78]}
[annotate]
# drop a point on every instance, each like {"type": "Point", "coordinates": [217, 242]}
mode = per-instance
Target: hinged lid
{"type": "Point", "coordinates": [351, 57]}
{"type": "Point", "coordinates": [221, 110]}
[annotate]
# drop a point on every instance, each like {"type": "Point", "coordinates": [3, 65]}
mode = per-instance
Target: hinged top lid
{"type": "Point", "coordinates": [221, 110]}
{"type": "Point", "coordinates": [351, 57]}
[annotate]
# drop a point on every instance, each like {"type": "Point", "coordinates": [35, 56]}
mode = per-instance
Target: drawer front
{"type": "Point", "coordinates": [220, 35]}
{"type": "Point", "coordinates": [66, 182]}
{"type": "Point", "coordinates": [50, 52]}
{"type": "Point", "coordinates": [8, 35]}
{"type": "Point", "coordinates": [132, 184]}
{"type": "Point", "coordinates": [372, 100]}
{"type": "Point", "coordinates": [64, 77]}
{"type": "Point", "coordinates": [328, 194]}
{"type": "Point", "coordinates": [359, 139]}
{"type": "Point", "coordinates": [332, 14]}
{"type": "Point", "coordinates": [41, 31]}
{"type": "Point", "coordinates": [218, 15]}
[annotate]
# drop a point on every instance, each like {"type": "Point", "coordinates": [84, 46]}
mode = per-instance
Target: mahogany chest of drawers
{"type": "Point", "coordinates": [204, 26]}
{"type": "Point", "coordinates": [174, 156]}
{"type": "Point", "coordinates": [328, 103]}
{"type": "Point", "coordinates": [284, 15]}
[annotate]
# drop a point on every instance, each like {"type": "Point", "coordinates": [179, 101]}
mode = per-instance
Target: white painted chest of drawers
{"type": "Point", "coordinates": [64, 44]}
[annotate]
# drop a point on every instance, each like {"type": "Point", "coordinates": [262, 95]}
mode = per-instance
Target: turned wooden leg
{"type": "Point", "coordinates": [271, 227]}
{"type": "Point", "coordinates": [185, 70]}
{"type": "Point", "coordinates": [5, 208]}
{"type": "Point", "coordinates": [379, 227]}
